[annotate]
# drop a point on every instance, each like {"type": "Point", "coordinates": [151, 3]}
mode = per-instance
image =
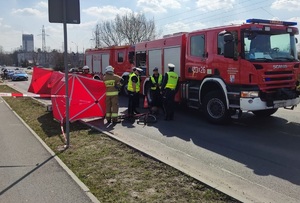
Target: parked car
{"type": "Point", "coordinates": [19, 75]}
{"type": "Point", "coordinates": [29, 67]}
{"type": "Point", "coordinates": [10, 74]}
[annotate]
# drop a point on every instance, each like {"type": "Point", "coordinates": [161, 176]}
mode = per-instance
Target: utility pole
{"type": "Point", "coordinates": [97, 37]}
{"type": "Point", "coordinates": [43, 39]}
{"type": "Point", "coordinates": [44, 61]}
{"type": "Point", "coordinates": [76, 46]}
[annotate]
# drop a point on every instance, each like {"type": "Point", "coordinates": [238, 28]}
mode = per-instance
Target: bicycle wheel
{"type": "Point", "coordinates": [147, 118]}
{"type": "Point", "coordinates": [124, 116]}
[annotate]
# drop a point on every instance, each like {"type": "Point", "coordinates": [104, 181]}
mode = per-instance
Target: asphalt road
{"type": "Point", "coordinates": [252, 159]}
{"type": "Point", "coordinates": [255, 160]}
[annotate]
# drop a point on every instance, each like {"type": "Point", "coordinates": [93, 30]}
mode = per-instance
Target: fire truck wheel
{"type": "Point", "coordinates": [215, 108]}
{"type": "Point", "coordinates": [264, 113]}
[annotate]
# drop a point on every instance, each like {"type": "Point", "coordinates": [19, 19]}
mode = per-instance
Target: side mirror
{"type": "Point", "coordinates": [228, 37]}
{"type": "Point", "coordinates": [228, 46]}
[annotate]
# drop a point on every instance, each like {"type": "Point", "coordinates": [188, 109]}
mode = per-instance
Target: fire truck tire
{"type": "Point", "coordinates": [264, 113]}
{"type": "Point", "coordinates": [215, 108]}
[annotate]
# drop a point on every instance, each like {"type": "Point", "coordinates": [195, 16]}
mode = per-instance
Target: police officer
{"type": "Point", "coordinates": [133, 88]}
{"type": "Point", "coordinates": [156, 97]}
{"type": "Point", "coordinates": [112, 83]}
{"type": "Point", "coordinates": [169, 89]}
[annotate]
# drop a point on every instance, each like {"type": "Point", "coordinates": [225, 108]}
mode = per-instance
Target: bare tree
{"type": "Point", "coordinates": [127, 29]}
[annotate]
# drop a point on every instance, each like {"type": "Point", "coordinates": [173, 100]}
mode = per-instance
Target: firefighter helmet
{"type": "Point", "coordinates": [109, 69]}
{"type": "Point", "coordinates": [85, 68]}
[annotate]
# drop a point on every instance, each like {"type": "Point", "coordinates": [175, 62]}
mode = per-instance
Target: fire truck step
{"type": "Point", "coordinates": [193, 99]}
{"type": "Point", "coordinates": [194, 88]}
{"type": "Point", "coordinates": [234, 106]}
{"type": "Point", "coordinates": [193, 107]}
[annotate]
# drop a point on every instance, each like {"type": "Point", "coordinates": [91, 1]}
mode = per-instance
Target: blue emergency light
{"type": "Point", "coordinates": [277, 22]}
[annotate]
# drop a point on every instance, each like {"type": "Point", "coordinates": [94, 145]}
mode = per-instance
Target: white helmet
{"type": "Point", "coordinates": [109, 69]}
{"type": "Point", "coordinates": [171, 66]}
{"type": "Point", "coordinates": [85, 68]}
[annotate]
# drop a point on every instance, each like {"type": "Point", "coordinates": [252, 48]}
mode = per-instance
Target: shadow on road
{"type": "Point", "coordinates": [268, 146]}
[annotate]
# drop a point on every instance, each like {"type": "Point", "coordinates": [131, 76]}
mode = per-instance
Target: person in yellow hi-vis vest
{"type": "Point", "coordinates": [133, 88]}
{"type": "Point", "coordinates": [112, 83]}
{"type": "Point", "coordinates": [169, 89]}
{"type": "Point", "coordinates": [156, 98]}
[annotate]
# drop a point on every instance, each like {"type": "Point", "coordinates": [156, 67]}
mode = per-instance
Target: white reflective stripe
{"type": "Point", "coordinates": [112, 93]}
{"type": "Point", "coordinates": [114, 115]}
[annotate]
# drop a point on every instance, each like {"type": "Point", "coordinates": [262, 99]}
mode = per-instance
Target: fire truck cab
{"type": "Point", "coordinates": [227, 70]}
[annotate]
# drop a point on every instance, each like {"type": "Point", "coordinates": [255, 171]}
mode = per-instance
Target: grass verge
{"type": "Point", "coordinates": [113, 171]}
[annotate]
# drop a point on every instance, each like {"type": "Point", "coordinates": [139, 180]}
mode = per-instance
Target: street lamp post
{"type": "Point", "coordinates": [77, 55]}
{"type": "Point", "coordinates": [76, 46]}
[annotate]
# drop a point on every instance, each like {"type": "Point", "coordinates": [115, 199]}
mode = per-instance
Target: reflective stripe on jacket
{"type": "Point", "coordinates": [111, 82]}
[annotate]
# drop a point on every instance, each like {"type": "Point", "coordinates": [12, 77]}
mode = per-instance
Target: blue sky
{"type": "Point", "coordinates": [19, 17]}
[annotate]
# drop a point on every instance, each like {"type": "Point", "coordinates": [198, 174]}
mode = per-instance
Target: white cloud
{"type": "Point", "coordinates": [291, 5]}
{"type": "Point", "coordinates": [214, 4]}
{"type": "Point", "coordinates": [28, 12]}
{"type": "Point", "coordinates": [157, 6]}
{"type": "Point", "coordinates": [235, 22]}
{"type": "Point", "coordinates": [42, 4]}
{"type": "Point", "coordinates": [106, 12]}
{"type": "Point", "coordinates": [4, 27]}
{"type": "Point", "coordinates": [182, 27]}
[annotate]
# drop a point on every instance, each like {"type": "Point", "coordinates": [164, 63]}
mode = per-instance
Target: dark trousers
{"type": "Point", "coordinates": [169, 103]}
{"type": "Point", "coordinates": [133, 102]}
{"type": "Point", "coordinates": [156, 98]}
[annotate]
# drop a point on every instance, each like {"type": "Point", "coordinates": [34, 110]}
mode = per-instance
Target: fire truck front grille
{"type": "Point", "coordinates": [273, 80]}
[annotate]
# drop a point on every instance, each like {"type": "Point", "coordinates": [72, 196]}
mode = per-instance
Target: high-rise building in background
{"type": "Point", "coordinates": [28, 44]}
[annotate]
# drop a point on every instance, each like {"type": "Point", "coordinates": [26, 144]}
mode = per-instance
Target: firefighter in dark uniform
{"type": "Point", "coordinates": [133, 88]}
{"type": "Point", "coordinates": [86, 72]}
{"type": "Point", "coordinates": [169, 89]}
{"type": "Point", "coordinates": [156, 97]}
{"type": "Point", "coordinates": [112, 83]}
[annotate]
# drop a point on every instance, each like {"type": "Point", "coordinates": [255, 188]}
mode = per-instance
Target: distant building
{"type": "Point", "coordinates": [28, 45]}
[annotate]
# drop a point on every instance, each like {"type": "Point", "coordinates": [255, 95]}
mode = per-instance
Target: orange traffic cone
{"type": "Point", "coordinates": [146, 102]}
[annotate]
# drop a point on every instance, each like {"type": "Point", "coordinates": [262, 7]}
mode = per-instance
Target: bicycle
{"type": "Point", "coordinates": [145, 118]}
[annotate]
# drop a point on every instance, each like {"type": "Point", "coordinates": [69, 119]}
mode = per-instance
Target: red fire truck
{"type": "Point", "coordinates": [227, 70]}
{"type": "Point", "coordinates": [120, 57]}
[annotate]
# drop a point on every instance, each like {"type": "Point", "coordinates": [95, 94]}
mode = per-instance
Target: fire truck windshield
{"type": "Point", "coordinates": [269, 46]}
